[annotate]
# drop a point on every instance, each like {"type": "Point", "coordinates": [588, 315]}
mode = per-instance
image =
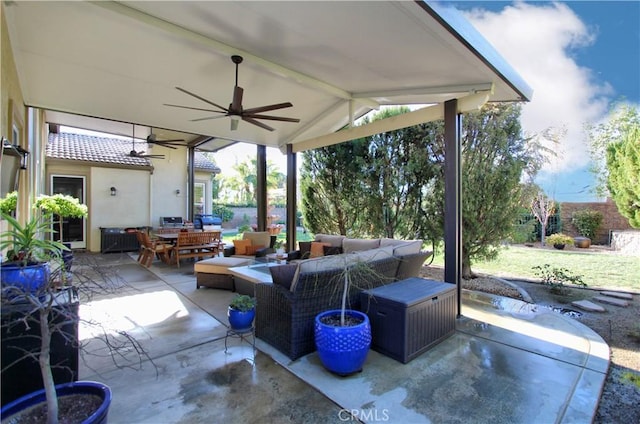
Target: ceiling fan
{"type": "Point", "coordinates": [140, 154]}
{"type": "Point", "coordinates": [235, 109]}
{"type": "Point", "coordinates": [170, 144]}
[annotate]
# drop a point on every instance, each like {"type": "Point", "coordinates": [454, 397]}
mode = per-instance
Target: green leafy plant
{"type": "Point", "coordinates": [556, 277]}
{"type": "Point", "coordinates": [587, 222]}
{"type": "Point", "coordinates": [62, 206]}
{"type": "Point", "coordinates": [23, 242]}
{"type": "Point", "coordinates": [559, 238]}
{"type": "Point", "coordinates": [243, 303]}
{"type": "Point", "coordinates": [9, 203]}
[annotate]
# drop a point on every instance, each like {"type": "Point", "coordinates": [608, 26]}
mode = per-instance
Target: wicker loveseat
{"type": "Point", "coordinates": [285, 314]}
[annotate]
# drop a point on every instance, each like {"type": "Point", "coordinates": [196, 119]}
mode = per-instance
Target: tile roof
{"type": "Point", "coordinates": [105, 150]}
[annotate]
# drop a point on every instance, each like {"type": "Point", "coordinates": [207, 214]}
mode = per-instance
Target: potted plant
{"type": "Point", "coordinates": [343, 336]}
{"type": "Point", "coordinates": [587, 223]}
{"type": "Point", "coordinates": [33, 320]}
{"type": "Point", "coordinates": [559, 240]}
{"type": "Point", "coordinates": [58, 207]}
{"type": "Point", "coordinates": [27, 255]}
{"type": "Point", "coordinates": [241, 312]}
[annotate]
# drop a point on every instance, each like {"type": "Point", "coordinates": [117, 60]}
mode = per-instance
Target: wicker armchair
{"type": "Point", "coordinates": [285, 318]}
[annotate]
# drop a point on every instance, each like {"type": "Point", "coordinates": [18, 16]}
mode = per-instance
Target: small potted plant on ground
{"type": "Point", "coordinates": [559, 240]}
{"type": "Point", "coordinates": [241, 312]}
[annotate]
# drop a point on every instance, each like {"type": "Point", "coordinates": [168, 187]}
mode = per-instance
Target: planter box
{"type": "Point", "coordinates": [410, 316]}
{"type": "Point", "coordinates": [24, 377]}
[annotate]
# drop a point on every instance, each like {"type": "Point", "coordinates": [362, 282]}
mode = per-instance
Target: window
{"type": "Point", "coordinates": [199, 198]}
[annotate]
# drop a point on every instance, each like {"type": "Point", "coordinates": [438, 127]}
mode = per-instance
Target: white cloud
{"type": "Point", "coordinates": [538, 42]}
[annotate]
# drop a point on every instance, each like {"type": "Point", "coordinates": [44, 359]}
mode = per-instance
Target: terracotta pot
{"type": "Point", "coordinates": [582, 242]}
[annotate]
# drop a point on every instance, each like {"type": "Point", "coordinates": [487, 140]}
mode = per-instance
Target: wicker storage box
{"type": "Point", "coordinates": [410, 316]}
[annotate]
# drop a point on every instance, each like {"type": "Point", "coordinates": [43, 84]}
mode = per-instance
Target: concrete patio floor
{"type": "Point", "coordinates": [508, 362]}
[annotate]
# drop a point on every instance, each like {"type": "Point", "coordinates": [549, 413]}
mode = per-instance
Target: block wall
{"type": "Point", "coordinates": [612, 220]}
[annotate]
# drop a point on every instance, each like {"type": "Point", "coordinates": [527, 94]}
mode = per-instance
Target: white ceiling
{"type": "Point", "coordinates": [122, 61]}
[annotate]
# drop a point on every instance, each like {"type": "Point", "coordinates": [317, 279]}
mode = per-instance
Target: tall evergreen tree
{"type": "Point", "coordinates": [623, 163]}
{"type": "Point", "coordinates": [392, 184]}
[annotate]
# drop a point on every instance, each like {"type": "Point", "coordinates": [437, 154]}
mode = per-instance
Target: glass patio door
{"type": "Point", "coordinates": [73, 229]}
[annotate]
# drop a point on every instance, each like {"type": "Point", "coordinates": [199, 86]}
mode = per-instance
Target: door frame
{"type": "Point", "coordinates": [78, 244]}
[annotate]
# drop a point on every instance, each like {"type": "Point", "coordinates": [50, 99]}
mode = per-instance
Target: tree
{"type": "Point", "coordinates": [496, 158]}
{"type": "Point", "coordinates": [623, 182]}
{"type": "Point", "coordinates": [392, 184]}
{"type": "Point", "coordinates": [245, 182]}
{"type": "Point", "coordinates": [542, 208]}
{"type": "Point", "coordinates": [620, 123]}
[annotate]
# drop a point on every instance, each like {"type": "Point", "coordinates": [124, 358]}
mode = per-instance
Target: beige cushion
{"type": "Point", "coordinates": [333, 240]}
{"type": "Point", "coordinates": [219, 265]}
{"type": "Point", "coordinates": [402, 247]}
{"type": "Point", "coordinates": [356, 245]}
{"type": "Point", "coordinates": [258, 238]}
{"type": "Point", "coordinates": [374, 254]}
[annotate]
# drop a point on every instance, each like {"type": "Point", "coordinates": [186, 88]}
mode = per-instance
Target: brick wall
{"type": "Point", "coordinates": [611, 219]}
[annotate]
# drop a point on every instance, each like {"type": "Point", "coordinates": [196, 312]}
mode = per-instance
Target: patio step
{"type": "Point", "coordinates": [589, 306]}
{"type": "Point", "coordinates": [619, 295]}
{"type": "Point", "coordinates": [612, 301]}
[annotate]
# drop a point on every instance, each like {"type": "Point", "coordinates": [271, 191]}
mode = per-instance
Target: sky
{"type": "Point", "coordinates": [580, 57]}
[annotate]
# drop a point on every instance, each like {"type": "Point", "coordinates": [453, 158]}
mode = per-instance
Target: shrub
{"type": "Point", "coordinates": [223, 212]}
{"type": "Point", "coordinates": [559, 238]}
{"type": "Point", "coordinates": [556, 277]}
{"type": "Point", "coordinates": [587, 222]}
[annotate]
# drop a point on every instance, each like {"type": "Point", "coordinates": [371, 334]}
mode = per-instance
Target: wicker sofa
{"type": "Point", "coordinates": [287, 308]}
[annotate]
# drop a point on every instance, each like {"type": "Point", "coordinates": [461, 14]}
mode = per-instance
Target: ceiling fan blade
{"type": "Point", "coordinates": [168, 146]}
{"type": "Point", "coordinates": [267, 108]}
{"type": "Point", "coordinates": [208, 117]}
{"type": "Point", "coordinates": [272, 118]}
{"type": "Point", "coordinates": [258, 123]}
{"type": "Point", "coordinates": [201, 98]}
{"type": "Point", "coordinates": [194, 108]}
{"type": "Point", "coordinates": [236, 105]}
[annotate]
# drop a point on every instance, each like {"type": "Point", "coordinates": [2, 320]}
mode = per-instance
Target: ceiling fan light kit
{"type": "Point", "coordinates": [235, 110]}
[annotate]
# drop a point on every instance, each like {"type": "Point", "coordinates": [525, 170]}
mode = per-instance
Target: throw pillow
{"type": "Point", "coordinates": [305, 249]}
{"type": "Point", "coordinates": [251, 250]}
{"type": "Point", "coordinates": [241, 246]}
{"type": "Point", "coordinates": [332, 250]}
{"type": "Point", "coordinates": [317, 249]}
{"type": "Point", "coordinates": [283, 274]}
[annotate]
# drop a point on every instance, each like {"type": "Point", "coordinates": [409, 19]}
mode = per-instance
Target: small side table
{"type": "Point", "coordinates": [241, 334]}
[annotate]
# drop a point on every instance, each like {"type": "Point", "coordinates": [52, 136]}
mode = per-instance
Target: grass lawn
{"type": "Point", "coordinates": [598, 268]}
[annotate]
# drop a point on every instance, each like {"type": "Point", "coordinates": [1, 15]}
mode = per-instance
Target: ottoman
{"type": "Point", "coordinates": [215, 273]}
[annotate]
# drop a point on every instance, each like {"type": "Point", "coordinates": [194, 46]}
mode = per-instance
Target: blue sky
{"type": "Point", "coordinates": [579, 57]}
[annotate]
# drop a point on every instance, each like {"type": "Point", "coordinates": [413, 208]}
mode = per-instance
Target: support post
{"type": "Point", "coordinates": [453, 199]}
{"type": "Point", "coordinates": [191, 160]}
{"type": "Point", "coordinates": [291, 199]}
{"type": "Point", "coordinates": [261, 186]}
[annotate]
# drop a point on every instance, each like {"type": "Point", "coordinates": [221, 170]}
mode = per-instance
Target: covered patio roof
{"type": "Point", "coordinates": [334, 61]}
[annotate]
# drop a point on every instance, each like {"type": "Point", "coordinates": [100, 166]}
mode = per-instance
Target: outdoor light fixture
{"type": "Point", "coordinates": [14, 149]}
{"type": "Point", "coordinates": [113, 191]}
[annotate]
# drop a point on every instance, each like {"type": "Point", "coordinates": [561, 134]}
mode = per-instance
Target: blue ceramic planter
{"type": "Point", "coordinates": [239, 320]}
{"type": "Point", "coordinates": [78, 387]}
{"type": "Point", "coordinates": [28, 278]}
{"type": "Point", "coordinates": [343, 350]}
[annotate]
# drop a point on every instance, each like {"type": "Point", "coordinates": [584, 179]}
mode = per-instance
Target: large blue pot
{"type": "Point", "coordinates": [239, 320]}
{"type": "Point", "coordinates": [78, 387]}
{"type": "Point", "coordinates": [343, 350]}
{"type": "Point", "coordinates": [28, 278]}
